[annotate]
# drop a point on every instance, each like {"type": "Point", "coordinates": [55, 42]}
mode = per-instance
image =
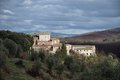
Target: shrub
{"type": "Point", "coordinates": [3, 59]}
{"type": "Point", "coordinates": [60, 68]}
{"type": "Point", "coordinates": [51, 63]}
{"type": "Point", "coordinates": [4, 49]}
{"type": "Point", "coordinates": [19, 51]}
{"type": "Point", "coordinates": [68, 61]}
{"type": "Point", "coordinates": [61, 53]}
{"type": "Point", "coordinates": [34, 56]}
{"type": "Point", "coordinates": [19, 63]}
{"type": "Point", "coordinates": [36, 69]}
{"type": "Point", "coordinates": [42, 55]}
{"type": "Point", "coordinates": [11, 46]}
{"type": "Point", "coordinates": [24, 40]}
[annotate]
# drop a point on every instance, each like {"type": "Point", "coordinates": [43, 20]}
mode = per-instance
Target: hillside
{"type": "Point", "coordinates": [46, 66]}
{"type": "Point", "coordinates": [111, 35]}
{"type": "Point", "coordinates": [107, 40]}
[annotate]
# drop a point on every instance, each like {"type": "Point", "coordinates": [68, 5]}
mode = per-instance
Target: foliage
{"type": "Point", "coordinates": [3, 54]}
{"type": "Point", "coordinates": [51, 63]}
{"type": "Point", "coordinates": [19, 51]}
{"type": "Point", "coordinates": [11, 46]}
{"type": "Point", "coordinates": [60, 68]}
{"type": "Point", "coordinates": [19, 63]}
{"type": "Point", "coordinates": [44, 66]}
{"type": "Point", "coordinates": [19, 38]}
{"type": "Point", "coordinates": [35, 70]}
{"type": "Point", "coordinates": [63, 49]}
{"type": "Point", "coordinates": [51, 68]}
{"type": "Point", "coordinates": [34, 56]}
{"type": "Point", "coordinates": [62, 52]}
{"type": "Point", "coordinates": [3, 59]}
{"type": "Point", "coordinates": [3, 49]}
{"type": "Point", "coordinates": [68, 61]}
{"type": "Point", "coordinates": [42, 55]}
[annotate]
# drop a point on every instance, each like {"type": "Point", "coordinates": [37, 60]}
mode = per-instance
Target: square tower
{"type": "Point", "coordinates": [44, 36]}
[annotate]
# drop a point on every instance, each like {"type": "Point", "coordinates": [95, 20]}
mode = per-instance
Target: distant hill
{"type": "Point", "coordinates": [53, 34]}
{"type": "Point", "coordinates": [111, 35]}
{"type": "Point", "coordinates": [61, 35]}
{"type": "Point", "coordinates": [107, 40]}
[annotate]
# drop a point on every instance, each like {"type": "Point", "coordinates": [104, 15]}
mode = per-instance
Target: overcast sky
{"type": "Point", "coordinates": [64, 16]}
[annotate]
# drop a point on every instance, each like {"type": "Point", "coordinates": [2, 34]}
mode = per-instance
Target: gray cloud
{"type": "Point", "coordinates": [66, 16]}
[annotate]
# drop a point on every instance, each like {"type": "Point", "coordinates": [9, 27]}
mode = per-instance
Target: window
{"type": "Point", "coordinates": [90, 53]}
{"type": "Point", "coordinates": [51, 48]}
{"type": "Point", "coordinates": [36, 43]}
{"type": "Point", "coordinates": [87, 53]}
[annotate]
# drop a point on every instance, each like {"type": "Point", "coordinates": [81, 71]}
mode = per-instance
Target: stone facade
{"type": "Point", "coordinates": [44, 36]}
{"type": "Point", "coordinates": [86, 50]}
{"type": "Point", "coordinates": [44, 41]}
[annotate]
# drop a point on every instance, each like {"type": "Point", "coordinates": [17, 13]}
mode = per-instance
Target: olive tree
{"type": "Point", "coordinates": [11, 46]}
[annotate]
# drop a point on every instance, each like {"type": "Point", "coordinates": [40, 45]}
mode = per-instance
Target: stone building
{"type": "Point", "coordinates": [86, 50]}
{"type": "Point", "coordinates": [44, 41]}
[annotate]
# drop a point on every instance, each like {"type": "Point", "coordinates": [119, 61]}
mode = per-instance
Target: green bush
{"type": "Point", "coordinates": [51, 63]}
{"type": "Point", "coordinates": [11, 46]}
{"type": "Point", "coordinates": [22, 39]}
{"type": "Point", "coordinates": [36, 69]}
{"type": "Point", "coordinates": [19, 51]}
{"type": "Point", "coordinates": [42, 55]}
{"type": "Point", "coordinates": [3, 59]}
{"type": "Point", "coordinates": [34, 56]}
{"type": "Point", "coordinates": [61, 53]}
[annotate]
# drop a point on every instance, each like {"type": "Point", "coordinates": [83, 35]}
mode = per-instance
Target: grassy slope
{"type": "Point", "coordinates": [15, 72]}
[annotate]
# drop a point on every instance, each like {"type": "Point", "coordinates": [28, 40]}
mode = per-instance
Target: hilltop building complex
{"type": "Point", "coordinates": [44, 41]}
